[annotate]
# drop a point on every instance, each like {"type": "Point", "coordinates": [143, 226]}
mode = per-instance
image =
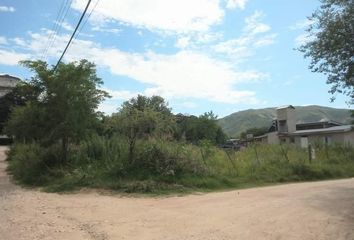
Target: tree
{"type": "Point", "coordinates": [195, 129]}
{"type": "Point", "coordinates": [26, 123]}
{"type": "Point", "coordinates": [142, 118]}
{"type": "Point", "coordinates": [142, 103]}
{"type": "Point", "coordinates": [19, 95]}
{"type": "Point", "coordinates": [65, 106]}
{"type": "Point", "coordinates": [331, 47]}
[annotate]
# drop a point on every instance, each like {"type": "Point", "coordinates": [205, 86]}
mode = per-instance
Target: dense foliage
{"type": "Point", "coordinates": [19, 95]}
{"type": "Point", "coordinates": [204, 127]}
{"type": "Point", "coordinates": [62, 106]}
{"type": "Point", "coordinates": [331, 47]}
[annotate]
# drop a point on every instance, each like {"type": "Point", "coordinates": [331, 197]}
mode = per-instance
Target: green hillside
{"type": "Point", "coordinates": [238, 122]}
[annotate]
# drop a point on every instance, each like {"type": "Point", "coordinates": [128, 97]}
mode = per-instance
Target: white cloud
{"type": "Point", "coordinates": [202, 38]}
{"type": "Point", "coordinates": [108, 107]}
{"type": "Point", "coordinates": [120, 94]}
{"type": "Point", "coordinates": [254, 35]}
{"type": "Point", "coordinates": [182, 42]}
{"type": "Point", "coordinates": [238, 48]}
{"type": "Point", "coordinates": [179, 75]}
{"type": "Point", "coordinates": [301, 24]}
{"type": "Point", "coordinates": [105, 29]}
{"type": "Point", "coordinates": [7, 9]}
{"type": "Point", "coordinates": [183, 74]}
{"type": "Point", "coordinates": [188, 105]}
{"type": "Point", "coordinates": [197, 40]}
{"type": "Point", "coordinates": [303, 39]}
{"type": "Point", "coordinates": [167, 15]}
{"type": "Point", "coordinates": [254, 25]}
{"type": "Point", "coordinates": [67, 26]}
{"type": "Point", "coordinates": [19, 41]}
{"type": "Point", "coordinates": [266, 40]}
{"type": "Point", "coordinates": [3, 40]}
{"type": "Point", "coordinates": [8, 57]}
{"type": "Point", "coordinates": [231, 4]}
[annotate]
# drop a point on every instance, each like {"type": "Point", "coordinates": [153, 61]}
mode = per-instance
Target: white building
{"type": "Point", "coordinates": [7, 82]}
{"type": "Point", "coordinates": [285, 130]}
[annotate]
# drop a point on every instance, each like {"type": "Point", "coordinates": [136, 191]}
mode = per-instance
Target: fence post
{"type": "Point", "coordinates": [310, 153]}
{"type": "Point", "coordinates": [285, 153]}
{"type": "Point", "coordinates": [255, 150]}
{"type": "Point", "coordinates": [231, 161]}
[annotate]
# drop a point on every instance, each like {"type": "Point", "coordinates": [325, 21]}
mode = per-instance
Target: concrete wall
{"type": "Point", "coordinates": [273, 138]}
{"type": "Point", "coordinates": [287, 115]}
{"type": "Point", "coordinates": [349, 138]}
{"type": "Point", "coordinates": [341, 138]}
{"type": "Point", "coordinates": [7, 82]}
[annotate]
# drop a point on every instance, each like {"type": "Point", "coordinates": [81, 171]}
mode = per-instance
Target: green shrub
{"type": "Point", "coordinates": [158, 158]}
{"type": "Point", "coordinates": [27, 163]}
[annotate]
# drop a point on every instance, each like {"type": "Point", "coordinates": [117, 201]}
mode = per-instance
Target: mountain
{"type": "Point", "coordinates": [238, 122]}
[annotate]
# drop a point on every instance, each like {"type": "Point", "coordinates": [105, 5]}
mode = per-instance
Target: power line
{"type": "Point", "coordinates": [56, 26]}
{"type": "Point", "coordinates": [71, 38]}
{"type": "Point", "coordinates": [53, 28]}
{"type": "Point", "coordinates": [59, 24]}
{"type": "Point", "coordinates": [84, 23]}
{"type": "Point", "coordinates": [93, 9]}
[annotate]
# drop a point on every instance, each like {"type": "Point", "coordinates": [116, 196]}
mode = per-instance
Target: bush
{"type": "Point", "coordinates": [27, 163]}
{"type": "Point", "coordinates": [159, 158]}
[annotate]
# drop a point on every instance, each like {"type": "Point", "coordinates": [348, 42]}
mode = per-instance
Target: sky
{"type": "Point", "coordinates": [200, 55]}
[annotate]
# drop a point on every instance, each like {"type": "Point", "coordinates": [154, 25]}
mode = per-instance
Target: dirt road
{"type": "Point", "coordinates": [318, 210]}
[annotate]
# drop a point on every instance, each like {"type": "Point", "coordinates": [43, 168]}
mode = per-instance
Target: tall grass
{"type": "Point", "coordinates": [174, 166]}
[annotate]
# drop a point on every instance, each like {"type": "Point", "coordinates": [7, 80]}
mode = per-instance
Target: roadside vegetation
{"type": "Point", "coordinates": [62, 143]}
{"type": "Point", "coordinates": [169, 166]}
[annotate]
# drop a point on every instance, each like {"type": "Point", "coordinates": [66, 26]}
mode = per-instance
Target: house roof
{"type": "Point", "coordinates": [8, 81]}
{"type": "Point", "coordinates": [320, 122]}
{"type": "Point", "coordinates": [336, 129]}
{"type": "Point", "coordinates": [261, 136]}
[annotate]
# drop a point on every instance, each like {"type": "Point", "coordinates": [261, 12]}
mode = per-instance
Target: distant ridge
{"type": "Point", "coordinates": [238, 122]}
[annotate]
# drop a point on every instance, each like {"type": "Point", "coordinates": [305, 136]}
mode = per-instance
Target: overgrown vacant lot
{"type": "Point", "coordinates": [160, 166]}
{"type": "Point", "coordinates": [61, 142]}
{"type": "Point", "coordinates": [319, 210]}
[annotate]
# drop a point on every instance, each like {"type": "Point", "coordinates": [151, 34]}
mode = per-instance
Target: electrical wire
{"type": "Point", "coordinates": [53, 27]}
{"type": "Point", "coordinates": [72, 36]}
{"type": "Point", "coordinates": [84, 23]}
{"type": "Point", "coordinates": [57, 26]}
{"type": "Point", "coordinates": [88, 16]}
